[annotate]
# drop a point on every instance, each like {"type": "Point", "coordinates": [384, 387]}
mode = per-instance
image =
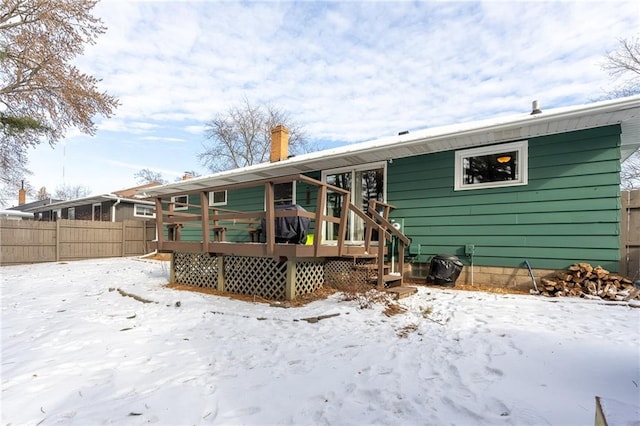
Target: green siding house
{"type": "Point", "coordinates": [541, 186]}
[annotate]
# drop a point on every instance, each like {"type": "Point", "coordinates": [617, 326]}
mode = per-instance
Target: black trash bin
{"type": "Point", "coordinates": [444, 270]}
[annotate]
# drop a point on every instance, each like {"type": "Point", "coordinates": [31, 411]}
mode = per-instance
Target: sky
{"type": "Point", "coordinates": [345, 71]}
{"type": "Point", "coordinates": [76, 349]}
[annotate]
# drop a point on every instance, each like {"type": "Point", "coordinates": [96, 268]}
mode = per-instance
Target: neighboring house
{"type": "Point", "coordinates": [114, 207]}
{"type": "Point", "coordinates": [542, 186]}
{"type": "Point", "coordinates": [29, 207]}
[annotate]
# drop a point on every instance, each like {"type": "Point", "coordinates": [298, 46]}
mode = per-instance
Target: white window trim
{"type": "Point", "coordinates": [93, 213]}
{"type": "Point", "coordinates": [177, 208]}
{"type": "Point", "coordinates": [71, 210]}
{"type": "Point", "coordinates": [358, 168]}
{"type": "Point", "coordinates": [522, 147]}
{"type": "Point", "coordinates": [223, 203]}
{"type": "Point", "coordinates": [144, 206]}
{"type": "Point", "coordinates": [293, 195]}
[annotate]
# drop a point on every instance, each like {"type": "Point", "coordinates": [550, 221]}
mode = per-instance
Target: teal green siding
{"type": "Point", "coordinates": [569, 211]}
{"type": "Point", "coordinates": [249, 200]}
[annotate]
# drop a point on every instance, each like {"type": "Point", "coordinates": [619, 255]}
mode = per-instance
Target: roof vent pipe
{"type": "Point", "coordinates": [535, 108]}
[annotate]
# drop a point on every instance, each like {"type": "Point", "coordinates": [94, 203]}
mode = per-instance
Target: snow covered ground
{"type": "Point", "coordinates": [74, 352]}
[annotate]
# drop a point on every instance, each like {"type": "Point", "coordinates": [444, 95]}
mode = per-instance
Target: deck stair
{"type": "Point", "coordinates": [378, 272]}
{"type": "Point", "coordinates": [402, 291]}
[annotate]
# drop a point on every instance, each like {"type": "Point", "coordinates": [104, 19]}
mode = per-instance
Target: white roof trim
{"type": "Point", "coordinates": [445, 138]}
{"type": "Point", "coordinates": [87, 200]}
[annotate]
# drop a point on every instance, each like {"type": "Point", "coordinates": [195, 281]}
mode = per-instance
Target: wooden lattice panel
{"type": "Point", "coordinates": [309, 276]}
{"type": "Point", "coordinates": [256, 276]}
{"type": "Point", "coordinates": [195, 269]}
{"type": "Point", "coordinates": [345, 275]}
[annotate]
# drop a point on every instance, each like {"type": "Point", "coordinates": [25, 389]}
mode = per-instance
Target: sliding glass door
{"type": "Point", "coordinates": [365, 183]}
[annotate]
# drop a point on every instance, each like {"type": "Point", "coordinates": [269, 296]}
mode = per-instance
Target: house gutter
{"type": "Point", "coordinates": [113, 209]}
{"type": "Point", "coordinates": [499, 128]}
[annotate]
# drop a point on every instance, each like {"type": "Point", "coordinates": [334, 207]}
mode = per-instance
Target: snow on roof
{"type": "Point", "coordinates": [87, 200]}
{"type": "Point", "coordinates": [436, 139]}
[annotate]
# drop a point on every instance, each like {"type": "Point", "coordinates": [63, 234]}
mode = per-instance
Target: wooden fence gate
{"type": "Point", "coordinates": [27, 241]}
{"type": "Point", "coordinates": [630, 234]}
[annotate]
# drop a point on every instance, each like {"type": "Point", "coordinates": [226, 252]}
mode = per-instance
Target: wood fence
{"type": "Point", "coordinates": [630, 234]}
{"type": "Point", "coordinates": [26, 241]}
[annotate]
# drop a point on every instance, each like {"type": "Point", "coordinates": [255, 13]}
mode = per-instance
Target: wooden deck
{"type": "Point", "coordinates": [289, 251]}
{"type": "Point", "coordinates": [214, 224]}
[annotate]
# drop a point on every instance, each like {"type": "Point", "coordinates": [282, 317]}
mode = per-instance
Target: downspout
{"type": "Point", "coordinates": [113, 209]}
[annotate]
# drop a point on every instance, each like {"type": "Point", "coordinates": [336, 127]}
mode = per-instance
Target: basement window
{"type": "Point", "coordinates": [218, 198]}
{"type": "Point", "coordinates": [494, 166]}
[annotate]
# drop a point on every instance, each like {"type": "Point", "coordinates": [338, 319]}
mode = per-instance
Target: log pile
{"type": "Point", "coordinates": [584, 280]}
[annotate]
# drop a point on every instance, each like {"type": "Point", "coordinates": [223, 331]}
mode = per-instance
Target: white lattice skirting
{"type": "Point", "coordinates": [256, 276]}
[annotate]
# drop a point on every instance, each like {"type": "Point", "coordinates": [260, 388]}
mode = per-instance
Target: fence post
{"type": "Point", "coordinates": [58, 240]}
{"type": "Point", "coordinates": [124, 238]}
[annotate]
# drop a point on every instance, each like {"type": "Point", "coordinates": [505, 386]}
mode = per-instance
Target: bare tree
{"type": "Point", "coordinates": [42, 194]}
{"type": "Point", "coordinates": [624, 64]}
{"type": "Point", "coordinates": [630, 173]}
{"type": "Point", "coordinates": [149, 176]}
{"type": "Point", "coordinates": [71, 192]}
{"type": "Point", "coordinates": [242, 136]}
{"type": "Point", "coordinates": [42, 94]}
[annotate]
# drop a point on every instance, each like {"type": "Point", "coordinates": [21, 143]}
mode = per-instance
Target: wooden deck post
{"type": "Point", "coordinates": [204, 210]}
{"type": "Point", "coordinates": [344, 217]}
{"type": "Point", "coordinates": [381, 242]}
{"type": "Point", "coordinates": [270, 218]}
{"type": "Point", "coordinates": [221, 277]}
{"type": "Point", "coordinates": [320, 207]}
{"type": "Point", "coordinates": [290, 284]}
{"type": "Point", "coordinates": [172, 269]}
{"type": "Point", "coordinates": [159, 231]}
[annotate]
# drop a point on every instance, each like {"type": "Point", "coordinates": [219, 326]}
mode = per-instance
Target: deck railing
{"type": "Point", "coordinates": [215, 222]}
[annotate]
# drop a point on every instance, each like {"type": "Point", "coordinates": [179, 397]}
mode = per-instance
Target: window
{"type": "Point", "coordinates": [97, 212]}
{"type": "Point", "coordinates": [180, 202]}
{"type": "Point", "coordinates": [71, 213]}
{"type": "Point", "coordinates": [284, 193]}
{"type": "Point", "coordinates": [365, 183]}
{"type": "Point", "coordinates": [142, 210]}
{"type": "Point", "coordinates": [217, 198]}
{"type": "Point", "coordinates": [492, 166]}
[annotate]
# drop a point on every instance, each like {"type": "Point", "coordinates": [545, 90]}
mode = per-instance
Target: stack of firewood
{"type": "Point", "coordinates": [584, 280]}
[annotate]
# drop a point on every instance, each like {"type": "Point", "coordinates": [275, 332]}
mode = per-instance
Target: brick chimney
{"type": "Point", "coordinates": [22, 195]}
{"type": "Point", "coordinates": [279, 143]}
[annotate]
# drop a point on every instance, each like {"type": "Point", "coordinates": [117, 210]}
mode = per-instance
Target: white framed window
{"type": "Point", "coordinates": [492, 166]}
{"type": "Point", "coordinates": [143, 210]}
{"type": "Point", "coordinates": [71, 213]}
{"type": "Point", "coordinates": [181, 201]}
{"type": "Point", "coordinates": [365, 182]}
{"type": "Point", "coordinates": [97, 212]}
{"type": "Point", "coordinates": [284, 193]}
{"type": "Point", "coordinates": [218, 198]}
